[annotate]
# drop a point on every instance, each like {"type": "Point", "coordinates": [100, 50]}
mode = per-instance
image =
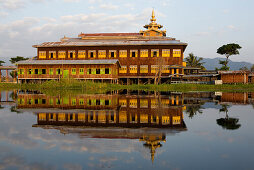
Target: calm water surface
{"type": "Point", "coordinates": [127, 130]}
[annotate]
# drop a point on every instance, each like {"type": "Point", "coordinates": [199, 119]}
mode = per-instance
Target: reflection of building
{"type": "Point", "coordinates": [124, 111]}
{"type": "Point", "coordinates": [97, 116]}
{"type": "Point", "coordinates": [153, 142]}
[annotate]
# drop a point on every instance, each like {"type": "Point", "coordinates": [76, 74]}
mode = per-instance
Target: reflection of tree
{"type": "Point", "coordinates": [194, 109]}
{"type": "Point", "coordinates": [227, 122]}
{"type": "Point", "coordinates": [13, 95]}
{"type": "Point", "coordinates": [14, 109]}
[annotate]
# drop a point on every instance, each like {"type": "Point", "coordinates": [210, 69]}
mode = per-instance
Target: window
{"type": "Point", "coordinates": [71, 54]}
{"type": "Point", "coordinates": [154, 68]}
{"type": "Point", "coordinates": [21, 71]}
{"type": "Point", "coordinates": [58, 71]}
{"type": "Point", "coordinates": [52, 54]}
{"type": "Point", "coordinates": [82, 54]}
{"type": "Point", "coordinates": [91, 54]}
{"type": "Point", "coordinates": [73, 71]}
{"type": "Point", "coordinates": [176, 52]}
{"type": "Point", "coordinates": [61, 54]}
{"type": "Point", "coordinates": [42, 54]}
{"type": "Point", "coordinates": [166, 53]}
{"type": "Point", "coordinates": [101, 54]}
{"type": "Point", "coordinates": [133, 69]}
{"type": "Point", "coordinates": [43, 71]}
{"type": "Point", "coordinates": [43, 101]}
{"type": "Point", "coordinates": [143, 68]}
{"type": "Point", "coordinates": [36, 71]}
{"type": "Point", "coordinates": [29, 71]}
{"type": "Point", "coordinates": [106, 102]}
{"type": "Point", "coordinates": [123, 69]}
{"type": "Point", "coordinates": [89, 71]}
{"type": "Point", "coordinates": [81, 71]}
{"type": "Point", "coordinates": [112, 53]}
{"type": "Point", "coordinates": [166, 69]}
{"type": "Point", "coordinates": [98, 102]}
{"type": "Point", "coordinates": [155, 53]}
{"type": "Point", "coordinates": [107, 71]}
{"type": "Point", "coordinates": [98, 71]}
{"type": "Point", "coordinates": [123, 53]}
{"type": "Point", "coordinates": [81, 101]}
{"type": "Point", "coordinates": [133, 53]}
{"type": "Point", "coordinates": [51, 71]}
{"type": "Point", "coordinates": [144, 53]}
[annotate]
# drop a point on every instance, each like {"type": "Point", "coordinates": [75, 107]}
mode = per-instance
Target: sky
{"type": "Point", "coordinates": [204, 24]}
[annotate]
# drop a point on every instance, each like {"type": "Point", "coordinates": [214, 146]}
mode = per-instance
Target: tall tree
{"type": "Point", "coordinates": [228, 50]}
{"type": "Point", "coordinates": [1, 62]}
{"type": "Point", "coordinates": [252, 68]}
{"type": "Point", "coordinates": [18, 58]}
{"type": "Point", "coordinates": [194, 61]}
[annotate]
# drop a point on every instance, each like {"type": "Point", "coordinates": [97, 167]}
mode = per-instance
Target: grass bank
{"type": "Point", "coordinates": [90, 87]}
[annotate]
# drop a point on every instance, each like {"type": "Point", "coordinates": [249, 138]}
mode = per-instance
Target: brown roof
{"type": "Point", "coordinates": [233, 72]}
{"type": "Point", "coordinates": [109, 34]}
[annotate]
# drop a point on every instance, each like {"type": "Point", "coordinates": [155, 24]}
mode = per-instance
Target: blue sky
{"type": "Point", "coordinates": [204, 25]}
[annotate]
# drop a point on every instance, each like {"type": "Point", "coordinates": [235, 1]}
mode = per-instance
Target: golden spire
{"type": "Point", "coordinates": [153, 16]}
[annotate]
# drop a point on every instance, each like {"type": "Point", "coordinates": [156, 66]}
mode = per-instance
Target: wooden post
{"type": "Point", "coordinates": [128, 81]}
{"type": "Point", "coordinates": [7, 76]}
{"type": "Point", "coordinates": [0, 75]}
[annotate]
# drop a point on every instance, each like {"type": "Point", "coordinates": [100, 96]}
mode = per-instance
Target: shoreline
{"type": "Point", "coordinates": [96, 87]}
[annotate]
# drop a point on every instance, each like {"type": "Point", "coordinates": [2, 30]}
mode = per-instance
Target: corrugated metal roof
{"type": "Point", "coordinates": [76, 42]}
{"type": "Point", "coordinates": [233, 72]}
{"type": "Point", "coordinates": [53, 62]}
{"type": "Point", "coordinates": [108, 34]}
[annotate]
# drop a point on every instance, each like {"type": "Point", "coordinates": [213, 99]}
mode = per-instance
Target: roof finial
{"type": "Point", "coordinates": [153, 16]}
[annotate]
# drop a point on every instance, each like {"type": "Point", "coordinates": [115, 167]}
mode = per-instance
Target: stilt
{"type": "Point", "coordinates": [7, 76]}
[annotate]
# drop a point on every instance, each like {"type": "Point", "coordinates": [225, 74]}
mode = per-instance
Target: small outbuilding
{"type": "Point", "coordinates": [232, 77]}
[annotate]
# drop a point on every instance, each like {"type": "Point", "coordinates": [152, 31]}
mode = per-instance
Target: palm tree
{"type": "Point", "coordinates": [194, 61]}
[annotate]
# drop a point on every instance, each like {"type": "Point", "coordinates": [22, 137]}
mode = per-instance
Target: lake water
{"type": "Point", "coordinates": [126, 130]}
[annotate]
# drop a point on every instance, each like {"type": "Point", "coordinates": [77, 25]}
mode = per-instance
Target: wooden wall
{"type": "Point", "coordinates": [113, 75]}
{"type": "Point", "coordinates": [124, 61]}
{"type": "Point", "coordinates": [234, 78]}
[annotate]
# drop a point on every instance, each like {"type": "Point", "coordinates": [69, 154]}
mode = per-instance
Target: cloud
{"type": "Point", "coordinates": [34, 30]}
{"type": "Point", "coordinates": [109, 6]}
{"type": "Point", "coordinates": [232, 27]}
{"type": "Point", "coordinates": [12, 4]}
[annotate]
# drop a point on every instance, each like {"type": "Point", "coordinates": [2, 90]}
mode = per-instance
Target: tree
{"type": "Point", "coordinates": [228, 50]}
{"type": "Point", "coordinates": [244, 68]}
{"type": "Point", "coordinates": [13, 74]}
{"type": "Point", "coordinates": [252, 68]}
{"type": "Point", "coordinates": [224, 66]}
{"type": "Point", "coordinates": [1, 62]}
{"type": "Point", "coordinates": [228, 122]}
{"type": "Point", "coordinates": [18, 58]}
{"type": "Point", "coordinates": [194, 61]}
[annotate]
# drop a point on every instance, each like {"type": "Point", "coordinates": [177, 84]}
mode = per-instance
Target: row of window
{"type": "Point", "coordinates": [111, 54]}
{"type": "Point", "coordinates": [122, 70]}
{"type": "Point", "coordinates": [144, 69]}
{"type": "Point", "coordinates": [59, 71]}
{"type": "Point", "coordinates": [122, 118]}
{"type": "Point", "coordinates": [89, 102]}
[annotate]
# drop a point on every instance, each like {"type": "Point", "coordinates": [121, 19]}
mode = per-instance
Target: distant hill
{"type": "Point", "coordinates": [211, 63]}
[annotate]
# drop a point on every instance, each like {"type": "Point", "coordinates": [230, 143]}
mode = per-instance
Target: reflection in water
{"type": "Point", "coordinates": [142, 116]}
{"type": "Point", "coordinates": [145, 117]}
{"type": "Point", "coordinates": [228, 123]}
